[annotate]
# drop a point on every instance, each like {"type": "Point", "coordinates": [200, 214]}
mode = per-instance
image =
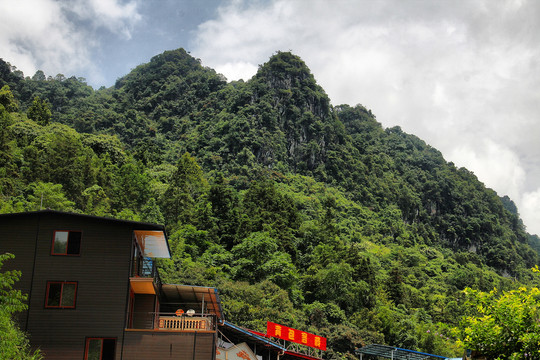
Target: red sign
{"type": "Point", "coordinates": [297, 336]}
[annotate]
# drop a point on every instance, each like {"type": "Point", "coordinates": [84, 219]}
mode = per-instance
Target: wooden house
{"type": "Point", "coordinates": [94, 291]}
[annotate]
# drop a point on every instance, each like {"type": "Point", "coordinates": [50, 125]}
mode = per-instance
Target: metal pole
{"type": "Point", "coordinates": [194, 345]}
{"type": "Point", "coordinates": [202, 304]}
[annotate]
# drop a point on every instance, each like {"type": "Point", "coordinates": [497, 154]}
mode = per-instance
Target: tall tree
{"type": "Point", "coordinates": [8, 167]}
{"type": "Point", "coordinates": [7, 100]}
{"type": "Point", "coordinates": [39, 112]}
{"type": "Point", "coordinates": [185, 187]}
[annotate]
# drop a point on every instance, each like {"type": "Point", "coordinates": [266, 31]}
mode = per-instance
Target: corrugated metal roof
{"type": "Point", "coordinates": [291, 355]}
{"type": "Point", "coordinates": [247, 335]}
{"type": "Point", "coordinates": [391, 352]}
{"type": "Point", "coordinates": [193, 295]}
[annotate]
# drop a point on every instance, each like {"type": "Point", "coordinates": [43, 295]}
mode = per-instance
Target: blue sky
{"type": "Point", "coordinates": [163, 25]}
{"type": "Point", "coordinates": [463, 75]}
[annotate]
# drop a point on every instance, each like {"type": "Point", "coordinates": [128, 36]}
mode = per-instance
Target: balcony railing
{"type": "Point", "coordinates": [197, 322]}
{"type": "Point", "coordinates": [146, 268]}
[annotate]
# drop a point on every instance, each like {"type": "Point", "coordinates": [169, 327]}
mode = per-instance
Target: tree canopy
{"type": "Point", "coordinates": [502, 325]}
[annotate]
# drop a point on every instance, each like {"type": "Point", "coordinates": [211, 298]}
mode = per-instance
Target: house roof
{"type": "Point", "coordinates": [293, 355]}
{"type": "Point", "coordinates": [249, 336]}
{"type": "Point", "coordinates": [391, 352]}
{"type": "Point", "coordinates": [193, 297]}
{"type": "Point", "coordinates": [153, 243]}
{"type": "Point", "coordinates": [153, 235]}
{"type": "Point", "coordinates": [103, 218]}
{"type": "Point", "coordinates": [239, 334]}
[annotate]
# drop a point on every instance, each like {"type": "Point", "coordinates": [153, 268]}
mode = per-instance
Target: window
{"type": "Point", "coordinates": [66, 243]}
{"type": "Point", "coordinates": [100, 349]}
{"type": "Point", "coordinates": [61, 294]}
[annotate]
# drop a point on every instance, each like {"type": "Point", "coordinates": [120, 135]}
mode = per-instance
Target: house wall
{"type": "Point", "coordinates": [101, 270]}
{"type": "Point", "coordinates": [169, 345]}
{"type": "Point", "coordinates": [102, 273]}
{"type": "Point", "coordinates": [143, 311]}
{"type": "Point", "coordinates": [19, 238]}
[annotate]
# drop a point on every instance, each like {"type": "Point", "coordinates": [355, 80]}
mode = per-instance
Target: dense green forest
{"type": "Point", "coordinates": [299, 211]}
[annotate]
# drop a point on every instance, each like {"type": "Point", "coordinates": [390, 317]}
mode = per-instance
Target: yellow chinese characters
{"type": "Point", "coordinates": [291, 334]}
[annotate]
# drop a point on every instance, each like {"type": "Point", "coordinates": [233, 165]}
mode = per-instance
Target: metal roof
{"type": "Point", "coordinates": [391, 352]}
{"type": "Point", "coordinates": [246, 335]}
{"type": "Point", "coordinates": [137, 224]}
{"type": "Point", "coordinates": [192, 296]}
{"type": "Point", "coordinates": [153, 243]}
{"type": "Point", "coordinates": [293, 355]}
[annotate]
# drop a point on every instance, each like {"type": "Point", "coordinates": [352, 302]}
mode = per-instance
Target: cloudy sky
{"type": "Point", "coordinates": [463, 75]}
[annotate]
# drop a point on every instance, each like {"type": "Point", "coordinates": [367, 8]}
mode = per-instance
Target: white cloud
{"type": "Point", "coordinates": [115, 16]}
{"type": "Point", "coordinates": [530, 211]}
{"type": "Point", "coordinates": [237, 70]}
{"type": "Point", "coordinates": [33, 29]}
{"type": "Point", "coordinates": [494, 164]}
{"type": "Point", "coordinates": [58, 36]}
{"type": "Point", "coordinates": [462, 76]}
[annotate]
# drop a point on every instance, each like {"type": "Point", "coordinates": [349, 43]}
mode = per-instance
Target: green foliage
{"type": "Point", "coordinates": [224, 202]}
{"type": "Point", "coordinates": [8, 166]}
{"type": "Point", "coordinates": [131, 187]}
{"type": "Point", "coordinates": [502, 325]}
{"type": "Point", "coordinates": [151, 212]}
{"type": "Point", "coordinates": [185, 187]}
{"type": "Point", "coordinates": [47, 196]}
{"type": "Point", "coordinates": [39, 112]}
{"type": "Point", "coordinates": [264, 208]}
{"type": "Point", "coordinates": [96, 201]}
{"type": "Point", "coordinates": [13, 342]}
{"type": "Point", "coordinates": [7, 99]}
{"type": "Point", "coordinates": [298, 211]}
{"type": "Point", "coordinates": [252, 305]}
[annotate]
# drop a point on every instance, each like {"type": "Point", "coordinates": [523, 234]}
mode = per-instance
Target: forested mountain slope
{"type": "Point", "coordinates": [299, 211]}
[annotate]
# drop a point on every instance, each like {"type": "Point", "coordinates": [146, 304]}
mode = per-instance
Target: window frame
{"type": "Point", "coordinates": [67, 243]}
{"type": "Point", "coordinates": [87, 345]}
{"type": "Point", "coordinates": [60, 306]}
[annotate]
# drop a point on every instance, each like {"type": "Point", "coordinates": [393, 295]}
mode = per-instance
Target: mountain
{"type": "Point", "coordinates": [300, 211]}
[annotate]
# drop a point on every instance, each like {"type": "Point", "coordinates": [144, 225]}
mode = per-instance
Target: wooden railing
{"type": "Point", "coordinates": [185, 323]}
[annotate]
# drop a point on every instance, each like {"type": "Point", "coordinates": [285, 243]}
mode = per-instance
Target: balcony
{"type": "Point", "coordinates": [164, 322]}
{"type": "Point", "coordinates": [145, 276]}
{"type": "Point", "coordinates": [197, 322]}
{"type": "Point", "coordinates": [163, 311]}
